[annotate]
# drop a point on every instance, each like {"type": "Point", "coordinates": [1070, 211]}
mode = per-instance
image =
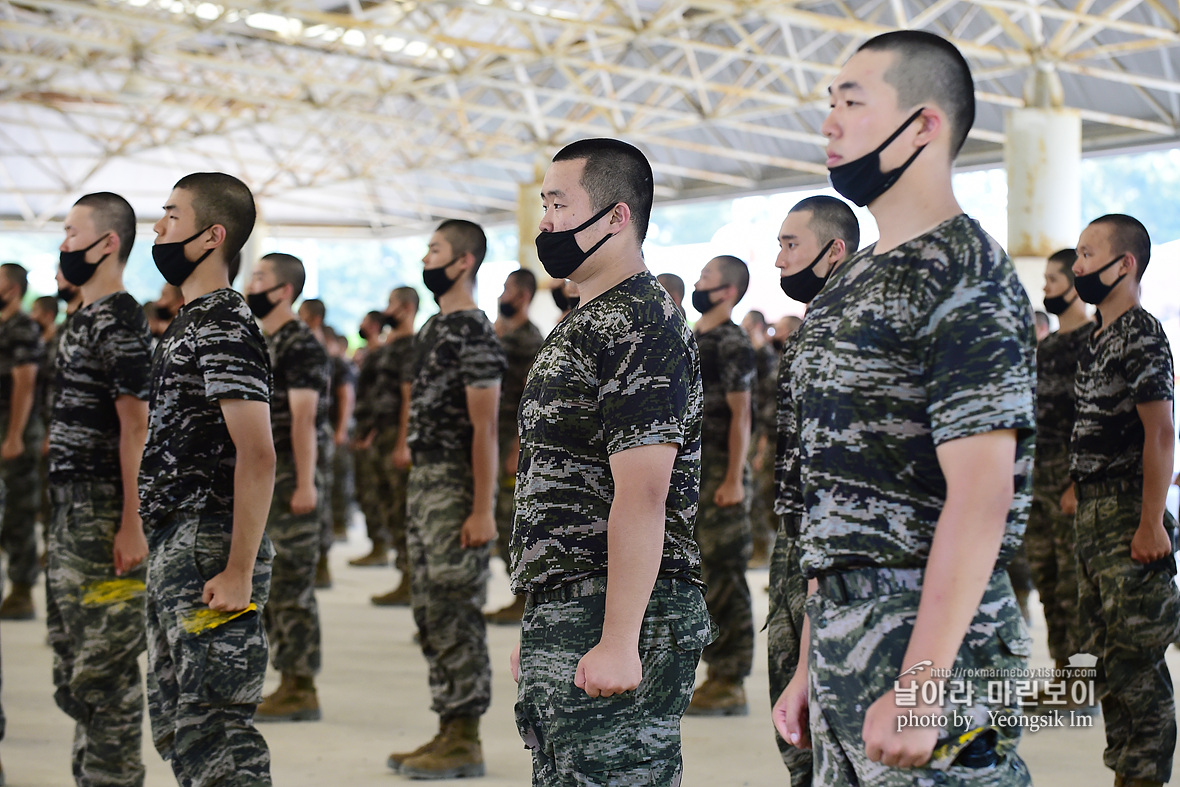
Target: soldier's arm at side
{"type": "Point", "coordinates": [483, 407]}
{"type": "Point", "coordinates": [634, 549]}
{"type": "Point", "coordinates": [1151, 541]}
{"type": "Point", "coordinates": [401, 451]}
{"type": "Point", "coordinates": [303, 402]}
{"type": "Point", "coordinates": [248, 423]}
{"type": "Point", "coordinates": [130, 544]}
{"type": "Point", "coordinates": [979, 486]}
{"type": "Point", "coordinates": [731, 492]}
{"type": "Point", "coordinates": [24, 383]}
{"type": "Point", "coordinates": [345, 401]}
{"type": "Point", "coordinates": [790, 712]}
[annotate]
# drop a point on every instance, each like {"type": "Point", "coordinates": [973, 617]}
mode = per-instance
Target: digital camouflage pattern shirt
{"type": "Point", "coordinates": [520, 348]}
{"type": "Point", "coordinates": [20, 345]}
{"type": "Point", "coordinates": [788, 486]}
{"type": "Point", "coordinates": [104, 353]}
{"type": "Point", "coordinates": [727, 366]}
{"type": "Point", "coordinates": [297, 361]}
{"type": "Point", "coordinates": [343, 373]}
{"type": "Point", "coordinates": [213, 350]}
{"type": "Point", "coordinates": [1128, 363]}
{"type": "Point", "coordinates": [1057, 367]}
{"type": "Point", "coordinates": [621, 371]}
{"type": "Point", "coordinates": [900, 353]}
{"type": "Point", "coordinates": [452, 352]}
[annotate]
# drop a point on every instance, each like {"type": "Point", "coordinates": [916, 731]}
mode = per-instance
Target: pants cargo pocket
{"type": "Point", "coordinates": [224, 660]}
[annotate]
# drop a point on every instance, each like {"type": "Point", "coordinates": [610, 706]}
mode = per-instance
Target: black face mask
{"type": "Point", "coordinates": [804, 285]}
{"type": "Point", "coordinates": [74, 267]}
{"type": "Point", "coordinates": [66, 294]}
{"type": "Point", "coordinates": [1091, 289]}
{"type": "Point", "coordinates": [392, 321]}
{"type": "Point", "coordinates": [437, 281]}
{"type": "Point", "coordinates": [509, 310]}
{"type": "Point", "coordinates": [701, 301]}
{"type": "Point", "coordinates": [165, 314]}
{"type": "Point", "coordinates": [173, 264]}
{"type": "Point", "coordinates": [559, 297]}
{"type": "Point", "coordinates": [560, 253]}
{"type": "Point", "coordinates": [862, 181]}
{"type": "Point", "coordinates": [1056, 304]}
{"type": "Point", "coordinates": [260, 305]}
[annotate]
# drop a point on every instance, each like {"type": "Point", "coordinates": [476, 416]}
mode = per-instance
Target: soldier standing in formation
{"type": "Point", "coordinates": [206, 482]}
{"type": "Point", "coordinates": [723, 515]}
{"type": "Point", "coordinates": [1120, 458]}
{"type": "Point", "coordinates": [914, 378]}
{"type": "Point", "coordinates": [21, 440]}
{"type": "Point", "coordinates": [388, 422]}
{"type": "Point", "coordinates": [451, 495]}
{"type": "Point", "coordinates": [763, 520]}
{"type": "Point", "coordinates": [298, 416]}
{"type": "Point", "coordinates": [521, 340]}
{"type": "Point", "coordinates": [1049, 537]}
{"type": "Point", "coordinates": [369, 475]}
{"type": "Point", "coordinates": [610, 434]}
{"type": "Point", "coordinates": [341, 406]}
{"type": "Point", "coordinates": [817, 235]}
{"type": "Point", "coordinates": [96, 573]}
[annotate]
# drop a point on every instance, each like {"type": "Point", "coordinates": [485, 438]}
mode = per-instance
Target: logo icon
{"type": "Point", "coordinates": [916, 668]}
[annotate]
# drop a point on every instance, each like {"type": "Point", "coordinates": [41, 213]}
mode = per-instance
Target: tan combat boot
{"type": "Point", "coordinates": [323, 574]}
{"type": "Point", "coordinates": [18, 605]}
{"type": "Point", "coordinates": [457, 753]}
{"type": "Point", "coordinates": [378, 556]}
{"type": "Point", "coordinates": [398, 597]}
{"type": "Point", "coordinates": [719, 697]}
{"type": "Point", "coordinates": [294, 700]}
{"type": "Point", "coordinates": [1127, 781]}
{"type": "Point", "coordinates": [508, 615]}
{"type": "Point", "coordinates": [396, 759]}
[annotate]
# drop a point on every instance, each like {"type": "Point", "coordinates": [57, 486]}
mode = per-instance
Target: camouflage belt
{"type": "Point", "coordinates": [857, 584]}
{"type": "Point", "coordinates": [440, 455]}
{"type": "Point", "coordinates": [581, 588]}
{"type": "Point", "coordinates": [1090, 491]}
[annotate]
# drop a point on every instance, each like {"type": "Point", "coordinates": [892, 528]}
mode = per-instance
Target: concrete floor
{"type": "Point", "coordinates": [375, 700]}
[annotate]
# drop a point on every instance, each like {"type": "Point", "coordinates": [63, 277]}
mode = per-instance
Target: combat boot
{"type": "Point", "coordinates": [719, 697]}
{"type": "Point", "coordinates": [323, 574]}
{"type": "Point", "coordinates": [378, 556]}
{"type": "Point", "coordinates": [509, 614]}
{"type": "Point", "coordinates": [456, 755]}
{"type": "Point", "coordinates": [18, 605]}
{"type": "Point", "coordinates": [294, 700]}
{"type": "Point", "coordinates": [1124, 781]}
{"type": "Point", "coordinates": [398, 597]}
{"type": "Point", "coordinates": [395, 760]}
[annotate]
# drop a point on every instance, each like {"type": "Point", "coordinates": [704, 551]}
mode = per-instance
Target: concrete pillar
{"type": "Point", "coordinates": [544, 312]}
{"type": "Point", "coordinates": [1043, 156]}
{"type": "Point", "coordinates": [251, 251]}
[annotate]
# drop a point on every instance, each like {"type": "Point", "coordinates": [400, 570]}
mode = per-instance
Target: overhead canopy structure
{"type": "Point", "coordinates": [391, 114]}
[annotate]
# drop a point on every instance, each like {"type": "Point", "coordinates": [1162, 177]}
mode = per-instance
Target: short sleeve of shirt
{"type": "Point", "coordinates": [978, 362]}
{"type": "Point", "coordinates": [1147, 365]}
{"type": "Point", "coordinates": [738, 368]}
{"type": "Point", "coordinates": [645, 380]}
{"type": "Point", "coordinates": [26, 346]}
{"type": "Point", "coordinates": [234, 364]}
{"type": "Point", "coordinates": [126, 355]}
{"type": "Point", "coordinates": [481, 360]}
{"type": "Point", "coordinates": [307, 366]}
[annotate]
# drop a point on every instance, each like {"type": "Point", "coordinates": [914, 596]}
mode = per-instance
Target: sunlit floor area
{"type": "Point", "coordinates": [375, 700]}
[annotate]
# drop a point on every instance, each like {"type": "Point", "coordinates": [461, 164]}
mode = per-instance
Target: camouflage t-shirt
{"type": "Point", "coordinates": [47, 371]}
{"type": "Point", "coordinates": [621, 371]}
{"type": "Point", "coordinates": [1126, 364]}
{"type": "Point", "coordinates": [788, 487]}
{"type": "Point", "coordinates": [393, 366]}
{"type": "Point", "coordinates": [766, 362]}
{"type": "Point", "coordinates": [104, 353]}
{"type": "Point", "coordinates": [1057, 366]}
{"type": "Point", "coordinates": [366, 389]}
{"type": "Point", "coordinates": [520, 348]}
{"type": "Point", "coordinates": [343, 373]}
{"type": "Point", "coordinates": [297, 360]}
{"type": "Point", "coordinates": [452, 352]}
{"type": "Point", "coordinates": [900, 353]}
{"type": "Point", "coordinates": [213, 350]}
{"type": "Point", "coordinates": [727, 366]}
{"type": "Point", "coordinates": [20, 345]}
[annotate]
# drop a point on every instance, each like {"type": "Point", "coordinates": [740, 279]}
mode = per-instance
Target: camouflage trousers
{"type": "Point", "coordinates": [625, 740]}
{"type": "Point", "coordinates": [723, 535]}
{"type": "Point", "coordinates": [206, 667]}
{"type": "Point", "coordinates": [326, 467]}
{"type": "Point", "coordinates": [96, 630]}
{"type": "Point", "coordinates": [343, 487]}
{"type": "Point", "coordinates": [861, 621]}
{"type": "Point", "coordinates": [3, 719]}
{"type": "Point", "coordinates": [292, 616]}
{"type": "Point", "coordinates": [448, 587]}
{"type": "Point", "coordinates": [784, 627]}
{"type": "Point", "coordinates": [1132, 612]}
{"type": "Point", "coordinates": [1052, 557]}
{"type": "Point", "coordinates": [763, 521]}
{"type": "Point", "coordinates": [382, 491]}
{"type": "Point", "coordinates": [505, 498]}
{"type": "Point", "coordinates": [18, 531]}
